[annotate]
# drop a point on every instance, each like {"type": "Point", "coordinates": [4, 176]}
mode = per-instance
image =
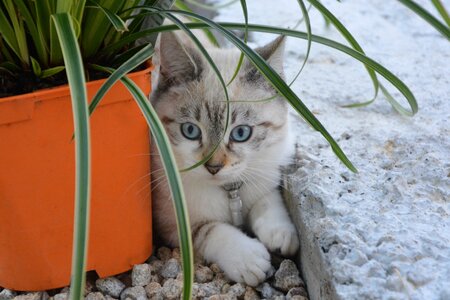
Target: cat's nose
{"type": "Point", "coordinates": [213, 168]}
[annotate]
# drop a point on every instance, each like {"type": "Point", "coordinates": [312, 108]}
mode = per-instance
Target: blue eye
{"type": "Point", "coordinates": [190, 131]}
{"type": "Point", "coordinates": [241, 133]}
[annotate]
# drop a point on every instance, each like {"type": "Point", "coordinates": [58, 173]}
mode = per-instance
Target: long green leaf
{"type": "Point", "coordinates": [442, 11]}
{"type": "Point", "coordinates": [241, 57]}
{"type": "Point", "coordinates": [96, 26]}
{"type": "Point", "coordinates": [179, 4]}
{"type": "Point", "coordinates": [354, 44]}
{"type": "Point", "coordinates": [43, 12]}
{"type": "Point", "coordinates": [139, 58]}
{"type": "Point", "coordinates": [8, 35]}
{"type": "Point", "coordinates": [75, 75]}
{"type": "Point", "coordinates": [211, 6]}
{"type": "Point", "coordinates": [115, 20]}
{"type": "Point", "coordinates": [173, 177]}
{"type": "Point", "coordinates": [38, 41]}
{"type": "Point", "coordinates": [421, 12]}
{"type": "Point", "coordinates": [19, 31]}
{"type": "Point", "coordinates": [309, 32]}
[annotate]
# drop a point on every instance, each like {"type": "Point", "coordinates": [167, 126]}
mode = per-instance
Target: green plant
{"type": "Point", "coordinates": [41, 38]}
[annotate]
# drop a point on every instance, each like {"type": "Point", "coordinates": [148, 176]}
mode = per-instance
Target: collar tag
{"type": "Point", "coordinates": [235, 203]}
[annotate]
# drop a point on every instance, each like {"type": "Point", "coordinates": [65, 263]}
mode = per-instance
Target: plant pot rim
{"type": "Point", "coordinates": [47, 93]}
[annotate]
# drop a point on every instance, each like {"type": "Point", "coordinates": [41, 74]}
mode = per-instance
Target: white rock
{"type": "Point", "coordinates": [287, 276]}
{"type": "Point", "coordinates": [6, 294]}
{"type": "Point", "coordinates": [170, 269]}
{"type": "Point", "coordinates": [134, 293]}
{"type": "Point", "coordinates": [172, 289]}
{"type": "Point", "coordinates": [141, 275]}
{"type": "Point", "coordinates": [110, 286]}
{"type": "Point", "coordinates": [95, 296]}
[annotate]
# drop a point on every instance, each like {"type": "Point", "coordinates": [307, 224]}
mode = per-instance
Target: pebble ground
{"type": "Point", "coordinates": [160, 278]}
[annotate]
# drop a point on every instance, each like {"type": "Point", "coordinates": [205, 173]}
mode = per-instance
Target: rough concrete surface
{"type": "Point", "coordinates": [383, 233]}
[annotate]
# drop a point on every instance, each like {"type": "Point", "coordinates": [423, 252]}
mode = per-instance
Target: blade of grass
{"type": "Point", "coordinates": [43, 12]}
{"type": "Point", "coordinates": [115, 20]}
{"type": "Point", "coordinates": [182, 6]}
{"type": "Point", "coordinates": [442, 11]}
{"type": "Point", "coordinates": [51, 71]}
{"type": "Point", "coordinates": [75, 75]}
{"type": "Point", "coordinates": [173, 177]}
{"type": "Point", "coordinates": [241, 57]}
{"type": "Point", "coordinates": [211, 6]}
{"type": "Point", "coordinates": [38, 41]}
{"type": "Point", "coordinates": [8, 35]}
{"type": "Point", "coordinates": [421, 12]}
{"type": "Point", "coordinates": [96, 26]}
{"type": "Point", "coordinates": [139, 58]}
{"type": "Point", "coordinates": [354, 44]}
{"type": "Point", "coordinates": [309, 32]}
{"type": "Point", "coordinates": [19, 32]}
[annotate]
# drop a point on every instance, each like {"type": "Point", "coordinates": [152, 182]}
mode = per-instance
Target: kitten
{"type": "Point", "coordinates": [191, 104]}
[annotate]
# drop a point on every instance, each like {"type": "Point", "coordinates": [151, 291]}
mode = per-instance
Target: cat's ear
{"type": "Point", "coordinates": [178, 63]}
{"type": "Point", "coordinates": [273, 54]}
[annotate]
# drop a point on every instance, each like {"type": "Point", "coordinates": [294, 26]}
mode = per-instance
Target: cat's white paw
{"type": "Point", "coordinates": [280, 236]}
{"type": "Point", "coordinates": [248, 262]}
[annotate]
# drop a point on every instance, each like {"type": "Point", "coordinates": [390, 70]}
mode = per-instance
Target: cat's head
{"type": "Point", "coordinates": [191, 103]}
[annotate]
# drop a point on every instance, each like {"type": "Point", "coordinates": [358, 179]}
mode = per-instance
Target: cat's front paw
{"type": "Point", "coordinates": [249, 262]}
{"type": "Point", "coordinates": [280, 236]}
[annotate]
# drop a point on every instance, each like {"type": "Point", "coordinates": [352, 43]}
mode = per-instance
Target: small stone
{"type": "Point", "coordinates": [110, 286]}
{"type": "Point", "coordinates": [135, 293]}
{"type": "Point", "coordinates": [61, 296]}
{"type": "Point", "coordinates": [221, 297]}
{"type": "Point", "coordinates": [156, 266]}
{"type": "Point", "coordinates": [237, 290]}
{"type": "Point", "coordinates": [170, 269]}
{"type": "Point", "coordinates": [141, 275]}
{"type": "Point", "coordinates": [297, 297]}
{"type": "Point", "coordinates": [172, 289]}
{"type": "Point", "coordinates": [251, 294]}
{"type": "Point", "coordinates": [164, 253]}
{"type": "Point", "coordinates": [287, 276]}
{"type": "Point", "coordinates": [267, 291]}
{"type": "Point", "coordinates": [65, 290]}
{"type": "Point", "coordinates": [154, 291]}
{"type": "Point", "coordinates": [31, 296]}
{"type": "Point", "coordinates": [221, 278]}
{"type": "Point", "coordinates": [180, 276]}
{"type": "Point", "coordinates": [203, 274]}
{"type": "Point", "coordinates": [215, 268]}
{"type": "Point", "coordinates": [225, 288]}
{"type": "Point", "coordinates": [176, 254]}
{"type": "Point", "coordinates": [95, 296]}
{"type": "Point", "coordinates": [297, 293]}
{"type": "Point", "coordinates": [7, 294]}
{"type": "Point", "coordinates": [208, 289]}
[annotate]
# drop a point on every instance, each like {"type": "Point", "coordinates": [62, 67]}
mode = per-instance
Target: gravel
{"type": "Point", "coordinates": [110, 286]}
{"type": "Point", "coordinates": [160, 278]}
{"type": "Point", "coordinates": [141, 275]}
{"type": "Point", "coordinates": [134, 293]}
{"type": "Point", "coordinates": [7, 294]}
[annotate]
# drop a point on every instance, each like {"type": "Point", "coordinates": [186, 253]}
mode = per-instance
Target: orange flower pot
{"type": "Point", "coordinates": [37, 179]}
